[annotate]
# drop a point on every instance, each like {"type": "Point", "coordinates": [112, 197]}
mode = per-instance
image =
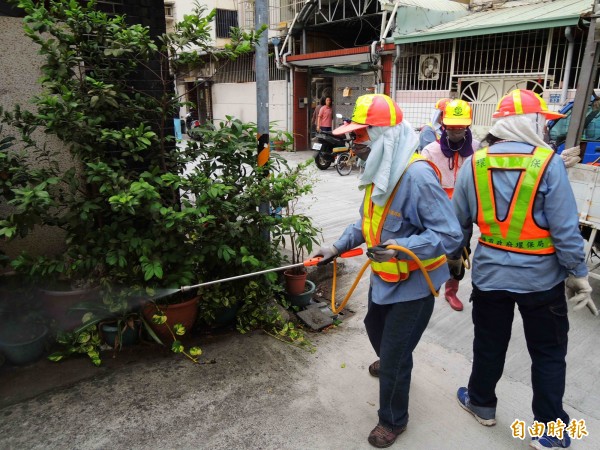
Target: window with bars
{"type": "Point", "coordinates": [169, 10]}
{"type": "Point", "coordinates": [480, 69]}
{"type": "Point", "coordinates": [243, 70]}
{"type": "Point", "coordinates": [224, 20]}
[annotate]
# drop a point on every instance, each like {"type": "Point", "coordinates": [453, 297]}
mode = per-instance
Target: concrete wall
{"type": "Point", "coordinates": [239, 100]}
{"type": "Point", "coordinates": [19, 71]}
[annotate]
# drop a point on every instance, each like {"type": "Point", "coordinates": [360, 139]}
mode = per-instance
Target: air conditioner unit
{"type": "Point", "coordinates": [430, 66]}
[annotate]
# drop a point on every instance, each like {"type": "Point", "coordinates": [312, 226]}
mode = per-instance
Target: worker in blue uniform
{"type": "Point", "coordinates": [518, 193]}
{"type": "Point", "coordinates": [404, 205]}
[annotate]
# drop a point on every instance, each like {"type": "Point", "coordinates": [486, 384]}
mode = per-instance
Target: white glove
{"type": "Point", "coordinates": [570, 156]}
{"type": "Point", "coordinates": [579, 292]}
{"type": "Point", "coordinates": [455, 266]}
{"type": "Point", "coordinates": [327, 252]}
{"type": "Point", "coordinates": [384, 254]}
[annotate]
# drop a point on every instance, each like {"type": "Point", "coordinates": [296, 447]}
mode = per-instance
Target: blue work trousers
{"type": "Point", "coordinates": [546, 327]}
{"type": "Point", "coordinates": [394, 331]}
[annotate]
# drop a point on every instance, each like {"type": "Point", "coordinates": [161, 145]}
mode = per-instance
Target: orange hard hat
{"type": "Point", "coordinates": [377, 110]}
{"type": "Point", "coordinates": [441, 103]}
{"type": "Point", "coordinates": [523, 101]}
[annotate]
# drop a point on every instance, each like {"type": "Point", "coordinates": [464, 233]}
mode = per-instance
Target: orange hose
{"type": "Point", "coordinates": [362, 271]}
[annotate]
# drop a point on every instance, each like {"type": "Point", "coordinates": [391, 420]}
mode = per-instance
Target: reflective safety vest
{"type": "Point", "coordinates": [517, 232]}
{"type": "Point", "coordinates": [374, 217]}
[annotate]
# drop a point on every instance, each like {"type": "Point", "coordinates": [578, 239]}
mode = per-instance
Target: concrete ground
{"type": "Point", "coordinates": [256, 392]}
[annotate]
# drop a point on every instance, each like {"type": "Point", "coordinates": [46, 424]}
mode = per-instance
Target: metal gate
{"type": "Point", "coordinates": [483, 93]}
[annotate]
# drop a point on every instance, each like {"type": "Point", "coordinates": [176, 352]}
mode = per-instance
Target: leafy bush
{"type": "Point", "coordinates": [138, 212]}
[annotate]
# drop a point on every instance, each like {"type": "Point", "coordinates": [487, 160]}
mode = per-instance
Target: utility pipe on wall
{"type": "Point", "coordinates": [395, 72]}
{"type": "Point", "coordinates": [568, 65]}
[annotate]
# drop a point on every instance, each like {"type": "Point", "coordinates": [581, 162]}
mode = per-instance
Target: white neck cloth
{"type": "Point", "coordinates": [391, 150]}
{"type": "Point", "coordinates": [526, 128]}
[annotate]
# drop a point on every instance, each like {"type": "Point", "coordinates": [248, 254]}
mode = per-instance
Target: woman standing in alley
{"type": "Point", "coordinates": [325, 117]}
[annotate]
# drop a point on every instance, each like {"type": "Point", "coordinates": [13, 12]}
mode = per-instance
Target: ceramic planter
{"type": "Point", "coordinates": [23, 344]}
{"type": "Point", "coordinates": [184, 313]}
{"type": "Point", "coordinates": [226, 314]}
{"type": "Point", "coordinates": [304, 298]}
{"type": "Point", "coordinates": [129, 336]}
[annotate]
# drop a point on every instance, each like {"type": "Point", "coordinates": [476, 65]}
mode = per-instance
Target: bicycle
{"type": "Point", "coordinates": [346, 161]}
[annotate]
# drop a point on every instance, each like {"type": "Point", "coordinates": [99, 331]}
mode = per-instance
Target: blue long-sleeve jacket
{"type": "Point", "coordinates": [421, 219]}
{"type": "Point", "coordinates": [554, 209]}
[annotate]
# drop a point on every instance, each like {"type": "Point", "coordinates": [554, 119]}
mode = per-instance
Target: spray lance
{"type": "Point", "coordinates": [307, 263]}
{"type": "Point", "coordinates": [320, 261]}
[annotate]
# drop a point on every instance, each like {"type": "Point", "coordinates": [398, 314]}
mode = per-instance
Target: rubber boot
{"type": "Point", "coordinates": [451, 290]}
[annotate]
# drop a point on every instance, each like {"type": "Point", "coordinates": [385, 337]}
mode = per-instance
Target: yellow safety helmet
{"type": "Point", "coordinates": [458, 112]}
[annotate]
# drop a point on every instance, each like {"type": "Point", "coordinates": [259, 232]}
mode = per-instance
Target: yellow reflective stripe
{"type": "Point", "coordinates": [359, 115]}
{"type": "Point", "coordinates": [392, 111]}
{"type": "Point", "coordinates": [517, 101]}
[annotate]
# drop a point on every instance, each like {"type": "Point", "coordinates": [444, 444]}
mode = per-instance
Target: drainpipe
{"type": "Point", "coordinates": [275, 41]}
{"type": "Point", "coordinates": [394, 72]}
{"type": "Point", "coordinates": [378, 66]}
{"type": "Point", "coordinates": [569, 63]}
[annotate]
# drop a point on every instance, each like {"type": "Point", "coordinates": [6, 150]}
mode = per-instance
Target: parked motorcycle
{"type": "Point", "coordinates": [329, 147]}
{"type": "Point", "coordinates": [191, 122]}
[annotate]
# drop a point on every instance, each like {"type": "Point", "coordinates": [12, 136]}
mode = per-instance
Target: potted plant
{"type": "Point", "coordinates": [23, 333]}
{"type": "Point", "coordinates": [173, 311]}
{"type": "Point", "coordinates": [137, 211]}
{"type": "Point", "coordinates": [297, 230]}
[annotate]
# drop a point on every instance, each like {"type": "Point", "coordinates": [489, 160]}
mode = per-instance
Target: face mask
{"type": "Point", "coordinates": [456, 134]}
{"type": "Point", "coordinates": [362, 150]}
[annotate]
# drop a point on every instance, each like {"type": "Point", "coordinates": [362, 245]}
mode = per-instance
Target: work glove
{"type": "Point", "coordinates": [570, 156]}
{"type": "Point", "coordinates": [327, 252]}
{"type": "Point", "coordinates": [455, 266]}
{"type": "Point", "coordinates": [384, 254]}
{"type": "Point", "coordinates": [579, 292]}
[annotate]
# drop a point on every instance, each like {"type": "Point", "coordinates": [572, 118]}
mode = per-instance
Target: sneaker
{"type": "Point", "coordinates": [484, 415]}
{"type": "Point", "coordinates": [546, 442]}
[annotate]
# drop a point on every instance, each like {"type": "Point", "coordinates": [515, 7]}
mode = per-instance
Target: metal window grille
{"type": "Point", "coordinates": [481, 69]}
{"type": "Point", "coordinates": [281, 13]}
{"type": "Point", "coordinates": [225, 19]}
{"type": "Point", "coordinates": [110, 7]}
{"type": "Point", "coordinates": [243, 70]}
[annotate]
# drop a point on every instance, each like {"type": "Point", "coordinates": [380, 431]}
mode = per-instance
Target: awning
{"type": "Point", "coordinates": [342, 57]}
{"type": "Point", "coordinates": [501, 19]}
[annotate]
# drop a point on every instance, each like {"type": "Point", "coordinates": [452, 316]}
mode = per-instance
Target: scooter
{"type": "Point", "coordinates": [329, 147]}
{"type": "Point", "coordinates": [192, 122]}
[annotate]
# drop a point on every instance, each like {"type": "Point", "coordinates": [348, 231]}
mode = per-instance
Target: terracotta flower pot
{"type": "Point", "coordinates": [294, 283]}
{"type": "Point", "coordinates": [184, 313]}
{"type": "Point", "coordinates": [56, 304]}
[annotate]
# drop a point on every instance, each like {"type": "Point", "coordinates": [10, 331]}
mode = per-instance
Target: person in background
{"type": "Point", "coordinates": [315, 116]}
{"type": "Point", "coordinates": [431, 131]}
{"type": "Point", "coordinates": [325, 116]}
{"type": "Point", "coordinates": [405, 205]}
{"type": "Point", "coordinates": [449, 153]}
{"type": "Point", "coordinates": [518, 193]}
